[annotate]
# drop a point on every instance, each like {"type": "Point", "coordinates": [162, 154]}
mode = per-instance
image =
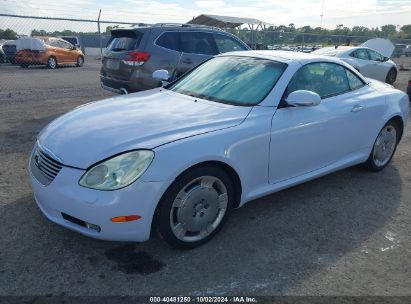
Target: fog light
{"type": "Point", "coordinates": [93, 226]}
{"type": "Point", "coordinates": [125, 218]}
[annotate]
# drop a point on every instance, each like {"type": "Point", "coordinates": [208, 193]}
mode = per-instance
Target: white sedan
{"type": "Point", "coordinates": [368, 62]}
{"type": "Point", "coordinates": [240, 126]}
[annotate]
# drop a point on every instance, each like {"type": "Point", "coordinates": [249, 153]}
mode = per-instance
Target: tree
{"type": "Point", "coordinates": [8, 34]}
{"type": "Point", "coordinates": [406, 31]}
{"type": "Point", "coordinates": [306, 29]}
{"type": "Point", "coordinates": [39, 33]}
{"type": "Point", "coordinates": [389, 30]}
{"type": "Point", "coordinates": [360, 31]}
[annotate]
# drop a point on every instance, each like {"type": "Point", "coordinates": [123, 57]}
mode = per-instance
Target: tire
{"type": "Point", "coordinates": [52, 62]}
{"type": "Point", "coordinates": [374, 162]}
{"type": "Point", "coordinates": [391, 76]}
{"type": "Point", "coordinates": [195, 207]}
{"type": "Point", "coordinates": [24, 65]}
{"type": "Point", "coordinates": [80, 61]}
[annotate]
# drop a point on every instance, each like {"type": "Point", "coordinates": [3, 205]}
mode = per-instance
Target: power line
{"type": "Point", "coordinates": [108, 12]}
{"type": "Point", "coordinates": [64, 19]}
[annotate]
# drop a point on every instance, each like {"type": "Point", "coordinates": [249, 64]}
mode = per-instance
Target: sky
{"type": "Point", "coordinates": [370, 13]}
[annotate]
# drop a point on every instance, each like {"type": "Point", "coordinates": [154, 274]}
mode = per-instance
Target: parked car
{"type": "Point", "coordinates": [407, 51]}
{"type": "Point", "coordinates": [132, 55]}
{"type": "Point", "coordinates": [47, 51]}
{"type": "Point", "coordinates": [73, 40]}
{"type": "Point", "coordinates": [409, 89]}
{"type": "Point", "coordinates": [368, 62]}
{"type": "Point", "coordinates": [239, 126]}
{"type": "Point", "coordinates": [9, 49]}
{"type": "Point", "coordinates": [399, 50]}
{"type": "Point", "coordinates": [2, 55]}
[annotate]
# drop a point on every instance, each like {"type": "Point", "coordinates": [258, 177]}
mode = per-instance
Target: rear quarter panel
{"type": "Point", "coordinates": [396, 102]}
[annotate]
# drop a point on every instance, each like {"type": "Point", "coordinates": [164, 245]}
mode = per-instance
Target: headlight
{"type": "Point", "coordinates": [117, 172]}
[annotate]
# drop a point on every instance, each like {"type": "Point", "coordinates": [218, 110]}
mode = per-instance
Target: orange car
{"type": "Point", "coordinates": [48, 51]}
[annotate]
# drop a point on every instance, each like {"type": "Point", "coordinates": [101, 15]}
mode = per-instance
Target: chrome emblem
{"type": "Point", "coordinates": [37, 160]}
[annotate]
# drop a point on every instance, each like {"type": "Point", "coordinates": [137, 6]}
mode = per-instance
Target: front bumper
{"type": "Point", "coordinates": [64, 196]}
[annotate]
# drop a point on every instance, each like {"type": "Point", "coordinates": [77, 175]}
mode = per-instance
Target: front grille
{"type": "Point", "coordinates": [44, 167]}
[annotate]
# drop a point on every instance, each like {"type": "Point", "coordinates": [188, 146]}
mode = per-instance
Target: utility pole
{"type": "Point", "coordinates": [99, 33]}
{"type": "Point", "coordinates": [322, 14]}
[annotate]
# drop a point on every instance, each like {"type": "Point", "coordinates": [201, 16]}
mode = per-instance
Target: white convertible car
{"type": "Point", "coordinates": [240, 126]}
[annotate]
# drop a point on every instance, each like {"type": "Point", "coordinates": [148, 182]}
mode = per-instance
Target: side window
{"type": "Point", "coordinates": [326, 79]}
{"type": "Point", "coordinates": [375, 56]}
{"type": "Point", "coordinates": [197, 43]}
{"type": "Point", "coordinates": [361, 54]}
{"type": "Point", "coordinates": [64, 44]}
{"type": "Point", "coordinates": [169, 40]}
{"type": "Point", "coordinates": [54, 43]}
{"type": "Point", "coordinates": [227, 44]}
{"type": "Point", "coordinates": [354, 81]}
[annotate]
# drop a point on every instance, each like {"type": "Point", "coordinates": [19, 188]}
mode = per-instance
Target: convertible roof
{"type": "Point", "coordinates": [224, 21]}
{"type": "Point", "coordinates": [283, 56]}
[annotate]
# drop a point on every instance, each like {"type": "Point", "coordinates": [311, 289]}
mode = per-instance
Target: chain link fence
{"type": "Point", "coordinates": [298, 41]}
{"type": "Point", "coordinates": [93, 36]}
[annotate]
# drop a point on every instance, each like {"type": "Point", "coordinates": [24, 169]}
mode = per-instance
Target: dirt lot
{"type": "Point", "coordinates": [348, 233]}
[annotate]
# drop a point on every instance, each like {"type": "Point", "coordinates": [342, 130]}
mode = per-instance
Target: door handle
{"type": "Point", "coordinates": [188, 61]}
{"type": "Point", "coordinates": [357, 108]}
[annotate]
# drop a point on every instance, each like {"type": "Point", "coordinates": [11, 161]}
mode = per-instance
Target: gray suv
{"type": "Point", "coordinates": [133, 54]}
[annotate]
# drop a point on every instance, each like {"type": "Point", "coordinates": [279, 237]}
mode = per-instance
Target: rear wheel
{"type": "Point", "coordinates": [24, 65]}
{"type": "Point", "coordinates": [384, 147]}
{"type": "Point", "coordinates": [195, 207]}
{"type": "Point", "coordinates": [52, 62]}
{"type": "Point", "coordinates": [80, 61]}
{"type": "Point", "coordinates": [391, 76]}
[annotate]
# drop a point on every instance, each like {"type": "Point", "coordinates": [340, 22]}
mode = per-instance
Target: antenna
{"type": "Point", "coordinates": [322, 14]}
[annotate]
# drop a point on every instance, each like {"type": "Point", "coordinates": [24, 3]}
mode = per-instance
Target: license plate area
{"type": "Point", "coordinates": [112, 64]}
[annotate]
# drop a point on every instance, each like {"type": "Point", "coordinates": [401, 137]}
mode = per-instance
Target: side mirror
{"type": "Point", "coordinates": [303, 98]}
{"type": "Point", "coordinates": [386, 58]}
{"type": "Point", "coordinates": [161, 75]}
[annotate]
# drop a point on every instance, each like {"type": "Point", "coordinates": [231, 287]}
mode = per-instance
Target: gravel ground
{"type": "Point", "coordinates": [344, 234]}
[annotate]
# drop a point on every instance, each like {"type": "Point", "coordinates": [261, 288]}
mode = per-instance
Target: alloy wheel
{"type": "Point", "coordinates": [198, 208]}
{"type": "Point", "coordinates": [52, 63]}
{"type": "Point", "coordinates": [384, 145]}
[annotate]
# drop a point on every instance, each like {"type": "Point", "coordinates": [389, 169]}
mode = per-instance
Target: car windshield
{"type": "Point", "coordinates": [234, 80]}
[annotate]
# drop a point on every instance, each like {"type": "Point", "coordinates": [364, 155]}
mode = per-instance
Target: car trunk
{"type": "Point", "coordinates": [120, 49]}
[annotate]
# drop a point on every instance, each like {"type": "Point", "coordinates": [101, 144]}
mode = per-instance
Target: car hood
{"type": "Point", "coordinates": [98, 130]}
{"type": "Point", "coordinates": [383, 46]}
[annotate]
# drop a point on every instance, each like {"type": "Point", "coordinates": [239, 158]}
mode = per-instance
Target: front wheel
{"type": "Point", "coordinates": [195, 207]}
{"type": "Point", "coordinates": [80, 61]}
{"type": "Point", "coordinates": [391, 76]}
{"type": "Point", "coordinates": [384, 147]}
